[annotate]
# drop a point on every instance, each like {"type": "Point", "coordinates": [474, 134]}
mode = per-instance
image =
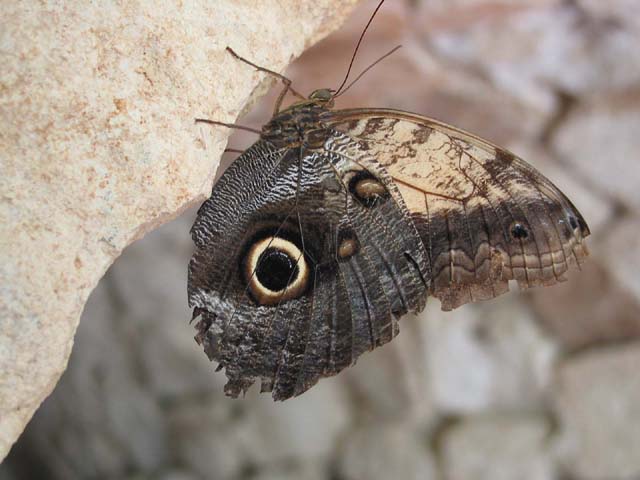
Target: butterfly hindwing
{"type": "Point", "coordinates": [319, 213]}
{"type": "Point", "coordinates": [484, 216]}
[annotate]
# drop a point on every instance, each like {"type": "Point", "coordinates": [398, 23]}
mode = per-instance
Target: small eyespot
{"type": "Point", "coordinates": [367, 188]}
{"type": "Point", "coordinates": [347, 248]}
{"type": "Point", "coordinates": [347, 244]}
{"type": "Point", "coordinates": [275, 270]}
{"type": "Point", "coordinates": [573, 222]}
{"type": "Point", "coordinates": [518, 231]}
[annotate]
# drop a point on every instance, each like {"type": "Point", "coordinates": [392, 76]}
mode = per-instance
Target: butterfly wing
{"type": "Point", "coordinates": [305, 258]}
{"type": "Point", "coordinates": [484, 215]}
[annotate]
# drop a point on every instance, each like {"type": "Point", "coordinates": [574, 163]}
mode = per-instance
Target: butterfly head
{"type": "Point", "coordinates": [323, 97]}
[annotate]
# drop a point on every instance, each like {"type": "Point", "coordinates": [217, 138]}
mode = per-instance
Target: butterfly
{"type": "Point", "coordinates": [336, 223]}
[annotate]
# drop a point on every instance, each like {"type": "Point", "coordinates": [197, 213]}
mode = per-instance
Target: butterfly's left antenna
{"type": "Point", "coordinates": [353, 57]}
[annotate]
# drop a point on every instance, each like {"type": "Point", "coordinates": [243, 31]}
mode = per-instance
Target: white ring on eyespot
{"type": "Point", "coordinates": [264, 295]}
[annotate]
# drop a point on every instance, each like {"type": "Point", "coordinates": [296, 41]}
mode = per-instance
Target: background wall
{"type": "Point", "coordinates": [536, 385]}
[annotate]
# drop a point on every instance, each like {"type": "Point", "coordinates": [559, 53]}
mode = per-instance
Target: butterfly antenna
{"type": "Point", "coordinates": [395, 49]}
{"type": "Point", "coordinates": [353, 57]}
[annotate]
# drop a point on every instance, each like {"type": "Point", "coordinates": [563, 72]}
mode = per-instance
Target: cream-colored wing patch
{"type": "Point", "coordinates": [485, 216]}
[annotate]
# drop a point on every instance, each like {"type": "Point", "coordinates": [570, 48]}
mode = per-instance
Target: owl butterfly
{"type": "Point", "coordinates": [336, 223]}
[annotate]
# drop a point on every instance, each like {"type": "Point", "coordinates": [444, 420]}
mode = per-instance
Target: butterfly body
{"type": "Point", "coordinates": [335, 223]}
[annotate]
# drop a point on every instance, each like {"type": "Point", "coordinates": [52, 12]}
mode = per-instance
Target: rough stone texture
{"type": "Point", "coordinates": [498, 448]}
{"type": "Point", "coordinates": [99, 146]}
{"type": "Point", "coordinates": [457, 395]}
{"type": "Point", "coordinates": [598, 402]}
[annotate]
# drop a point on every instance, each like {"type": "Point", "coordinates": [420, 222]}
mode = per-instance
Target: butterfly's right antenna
{"type": "Point", "coordinates": [393, 50]}
{"type": "Point", "coordinates": [358, 46]}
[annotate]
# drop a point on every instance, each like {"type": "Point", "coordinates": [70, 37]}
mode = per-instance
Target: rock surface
{"type": "Point", "coordinates": [99, 146]}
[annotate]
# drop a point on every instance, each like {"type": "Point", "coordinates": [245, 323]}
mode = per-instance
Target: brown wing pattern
{"type": "Point", "coordinates": [484, 215]}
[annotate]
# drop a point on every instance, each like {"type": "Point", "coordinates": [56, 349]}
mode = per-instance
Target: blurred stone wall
{"type": "Point", "coordinates": [542, 384]}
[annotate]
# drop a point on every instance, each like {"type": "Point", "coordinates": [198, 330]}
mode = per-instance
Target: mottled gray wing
{"type": "Point", "coordinates": [484, 215]}
{"type": "Point", "coordinates": [304, 260]}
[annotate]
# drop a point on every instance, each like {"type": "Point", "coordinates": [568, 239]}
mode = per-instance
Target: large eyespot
{"type": "Point", "coordinates": [275, 270]}
{"type": "Point", "coordinates": [367, 188]}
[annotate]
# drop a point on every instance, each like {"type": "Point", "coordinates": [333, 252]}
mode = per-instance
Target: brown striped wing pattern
{"type": "Point", "coordinates": [484, 215]}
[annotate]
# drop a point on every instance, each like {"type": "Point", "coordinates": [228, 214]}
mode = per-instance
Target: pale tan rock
{"type": "Point", "coordinates": [98, 146]}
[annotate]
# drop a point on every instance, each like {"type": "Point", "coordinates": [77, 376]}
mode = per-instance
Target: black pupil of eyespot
{"type": "Point", "coordinates": [276, 269]}
{"type": "Point", "coordinates": [518, 231]}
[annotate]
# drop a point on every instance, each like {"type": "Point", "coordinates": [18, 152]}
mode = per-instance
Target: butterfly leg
{"type": "Point", "coordinates": [284, 91]}
{"type": "Point", "coordinates": [228, 125]}
{"type": "Point", "coordinates": [286, 81]}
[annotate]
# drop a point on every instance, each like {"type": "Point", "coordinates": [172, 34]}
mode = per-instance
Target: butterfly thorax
{"type": "Point", "coordinates": [300, 124]}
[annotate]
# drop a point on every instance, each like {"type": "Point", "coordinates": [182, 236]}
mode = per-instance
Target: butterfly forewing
{"type": "Point", "coordinates": [484, 216]}
{"type": "Point", "coordinates": [331, 208]}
